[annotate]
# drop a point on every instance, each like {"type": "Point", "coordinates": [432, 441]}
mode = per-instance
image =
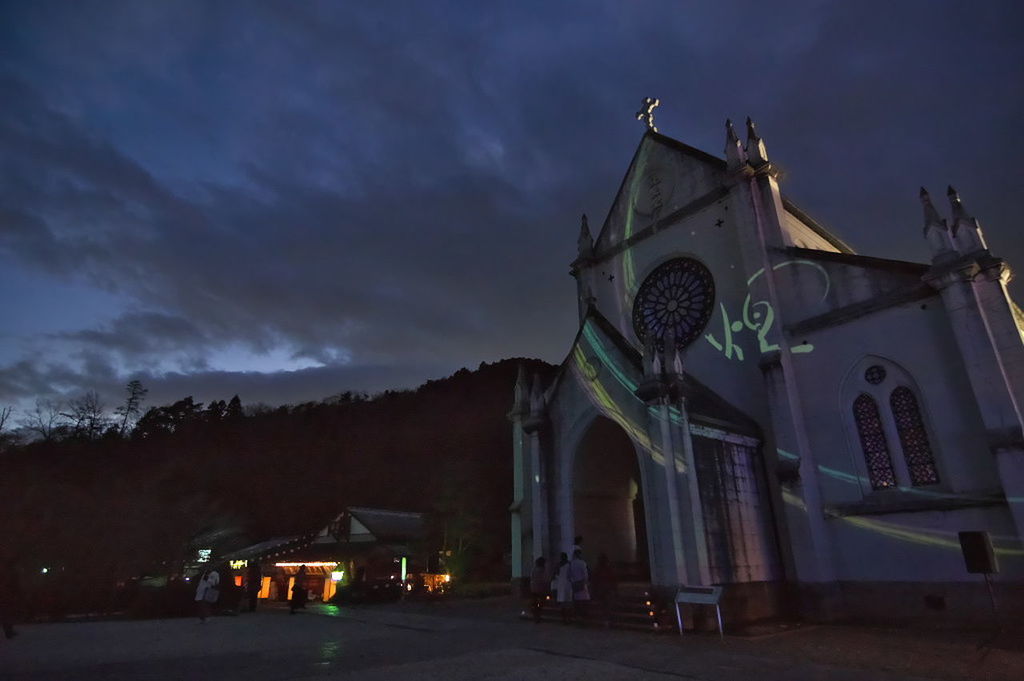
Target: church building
{"type": "Point", "coordinates": [749, 403]}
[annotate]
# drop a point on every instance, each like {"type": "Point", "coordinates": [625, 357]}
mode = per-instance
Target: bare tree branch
{"type": "Point", "coordinates": [45, 420]}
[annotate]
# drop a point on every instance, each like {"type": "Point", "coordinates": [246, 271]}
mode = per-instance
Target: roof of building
{"type": "Point", "coordinates": [389, 526]}
{"type": "Point", "coordinates": [277, 544]}
{"type": "Point", "coordinates": [719, 165]}
{"type": "Point", "coordinates": [385, 527]}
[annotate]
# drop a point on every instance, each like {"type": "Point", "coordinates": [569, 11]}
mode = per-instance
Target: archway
{"type": "Point", "coordinates": [608, 500]}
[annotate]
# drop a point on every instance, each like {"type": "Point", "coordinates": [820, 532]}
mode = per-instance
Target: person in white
{"type": "Point", "coordinates": [561, 586]}
{"type": "Point", "coordinates": [579, 582]}
{"type": "Point", "coordinates": [207, 593]}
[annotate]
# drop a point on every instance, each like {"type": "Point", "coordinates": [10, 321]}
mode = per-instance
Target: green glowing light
{"type": "Point", "coordinates": [758, 317]}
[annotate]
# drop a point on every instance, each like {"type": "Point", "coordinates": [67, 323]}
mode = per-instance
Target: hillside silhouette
{"type": "Point", "coordinates": [219, 475]}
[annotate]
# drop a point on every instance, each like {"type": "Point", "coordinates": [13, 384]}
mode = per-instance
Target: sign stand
{"type": "Point", "coordinates": [700, 595]}
{"type": "Point", "coordinates": [979, 558]}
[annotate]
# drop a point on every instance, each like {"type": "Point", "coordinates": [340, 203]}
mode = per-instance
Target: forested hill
{"type": "Point", "coordinates": [223, 475]}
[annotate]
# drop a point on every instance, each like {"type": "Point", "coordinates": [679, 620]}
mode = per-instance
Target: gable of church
{"type": "Point", "coordinates": [664, 177]}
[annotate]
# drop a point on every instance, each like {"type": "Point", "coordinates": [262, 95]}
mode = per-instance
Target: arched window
{"type": "Point", "coordinates": [913, 437]}
{"type": "Point", "coordinates": [872, 442]}
{"type": "Point", "coordinates": [891, 442]}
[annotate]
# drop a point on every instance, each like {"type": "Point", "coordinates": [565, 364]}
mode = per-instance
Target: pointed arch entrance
{"type": "Point", "coordinates": [608, 499]}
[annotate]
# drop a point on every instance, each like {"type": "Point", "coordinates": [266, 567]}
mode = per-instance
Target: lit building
{"type": "Point", "coordinates": [748, 402]}
{"type": "Point", "coordinates": [360, 546]}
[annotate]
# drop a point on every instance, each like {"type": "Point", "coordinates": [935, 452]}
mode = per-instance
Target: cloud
{"type": "Point", "coordinates": [392, 193]}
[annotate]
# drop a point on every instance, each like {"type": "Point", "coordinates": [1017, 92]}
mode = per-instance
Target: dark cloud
{"type": "Point", "coordinates": [382, 194]}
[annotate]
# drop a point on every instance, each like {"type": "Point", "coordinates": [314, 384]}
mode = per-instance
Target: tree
{"type": "Point", "coordinates": [86, 415]}
{"type": "Point", "coordinates": [132, 407]}
{"type": "Point", "coordinates": [458, 517]}
{"type": "Point", "coordinates": [234, 409]}
{"type": "Point", "coordinates": [6, 437]}
{"type": "Point", "coordinates": [168, 419]}
{"type": "Point", "coordinates": [45, 420]}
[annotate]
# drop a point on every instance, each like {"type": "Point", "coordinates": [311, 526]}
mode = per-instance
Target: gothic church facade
{"type": "Point", "coordinates": [748, 402]}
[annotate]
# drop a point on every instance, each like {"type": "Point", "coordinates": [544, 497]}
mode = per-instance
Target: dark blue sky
{"type": "Point", "coordinates": [288, 200]}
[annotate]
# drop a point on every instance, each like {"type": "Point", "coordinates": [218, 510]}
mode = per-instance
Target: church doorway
{"type": "Point", "coordinates": [608, 500]}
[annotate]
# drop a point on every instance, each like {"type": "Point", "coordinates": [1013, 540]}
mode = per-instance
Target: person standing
{"type": "Point", "coordinates": [253, 583]}
{"type": "Point", "coordinates": [207, 593]}
{"type": "Point", "coordinates": [562, 587]}
{"type": "Point", "coordinates": [579, 578]}
{"type": "Point", "coordinates": [298, 591]}
{"type": "Point", "coordinates": [540, 587]}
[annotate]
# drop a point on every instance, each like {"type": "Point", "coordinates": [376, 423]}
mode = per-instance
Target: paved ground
{"type": "Point", "coordinates": [472, 641]}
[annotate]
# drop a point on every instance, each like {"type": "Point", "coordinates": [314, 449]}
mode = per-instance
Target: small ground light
{"type": "Point", "coordinates": [45, 570]}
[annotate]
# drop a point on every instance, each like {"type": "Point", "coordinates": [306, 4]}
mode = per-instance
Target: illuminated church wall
{"type": "Point", "coordinates": [832, 377]}
{"type": "Point", "coordinates": [920, 546]}
{"type": "Point", "coordinates": [921, 343]}
{"type": "Point", "coordinates": [729, 358]}
{"type": "Point", "coordinates": [814, 284]}
{"type": "Point", "coordinates": [864, 480]}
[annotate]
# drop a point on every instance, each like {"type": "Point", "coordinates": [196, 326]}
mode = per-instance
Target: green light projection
{"type": "Point", "coordinates": [758, 317]}
{"type": "Point", "coordinates": [946, 539]}
{"type": "Point", "coordinates": [753, 316]}
{"type": "Point", "coordinates": [592, 351]}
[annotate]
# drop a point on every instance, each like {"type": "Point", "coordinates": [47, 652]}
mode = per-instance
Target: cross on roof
{"type": "Point", "coordinates": [646, 112]}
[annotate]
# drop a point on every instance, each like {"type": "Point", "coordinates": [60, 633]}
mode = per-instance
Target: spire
{"type": "Point", "coordinates": [585, 243]}
{"type": "Point", "coordinates": [734, 155]}
{"type": "Point", "coordinates": [648, 357]}
{"type": "Point", "coordinates": [935, 230]}
{"type": "Point", "coordinates": [677, 362]}
{"type": "Point", "coordinates": [958, 206]}
{"type": "Point", "coordinates": [668, 349]}
{"type": "Point", "coordinates": [521, 398]}
{"type": "Point", "coordinates": [536, 397]}
{"type": "Point", "coordinates": [966, 230]}
{"type": "Point", "coordinates": [757, 155]}
{"type": "Point", "coordinates": [931, 216]}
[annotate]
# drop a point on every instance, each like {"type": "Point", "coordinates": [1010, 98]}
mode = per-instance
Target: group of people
{"type": "Point", "coordinates": [573, 585]}
{"type": "Point", "coordinates": [209, 593]}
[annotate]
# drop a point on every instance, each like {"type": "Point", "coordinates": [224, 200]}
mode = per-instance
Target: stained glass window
{"type": "Point", "coordinates": [872, 441]}
{"type": "Point", "coordinates": [875, 374]}
{"type": "Point", "coordinates": [913, 437]}
{"type": "Point", "coordinates": [678, 295]}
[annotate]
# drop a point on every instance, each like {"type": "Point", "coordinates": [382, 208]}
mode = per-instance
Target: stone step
{"type": "Point", "coordinates": [633, 612]}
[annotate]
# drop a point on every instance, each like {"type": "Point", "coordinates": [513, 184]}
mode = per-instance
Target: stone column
{"type": "Point", "coordinates": [538, 497]}
{"type": "Point", "coordinates": [671, 492]}
{"type": "Point", "coordinates": [536, 484]}
{"type": "Point", "coordinates": [520, 409]}
{"type": "Point", "coordinates": [974, 295]}
{"type": "Point", "coordinates": [657, 390]}
{"type": "Point", "coordinates": [700, 545]}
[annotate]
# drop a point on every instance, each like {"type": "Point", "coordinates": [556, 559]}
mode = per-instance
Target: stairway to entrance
{"type": "Point", "coordinates": [633, 607]}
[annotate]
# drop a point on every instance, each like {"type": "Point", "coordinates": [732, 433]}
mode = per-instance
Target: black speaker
{"type": "Point", "coordinates": [978, 554]}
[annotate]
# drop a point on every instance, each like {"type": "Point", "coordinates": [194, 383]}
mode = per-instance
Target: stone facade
{"type": "Point", "coordinates": [748, 402]}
